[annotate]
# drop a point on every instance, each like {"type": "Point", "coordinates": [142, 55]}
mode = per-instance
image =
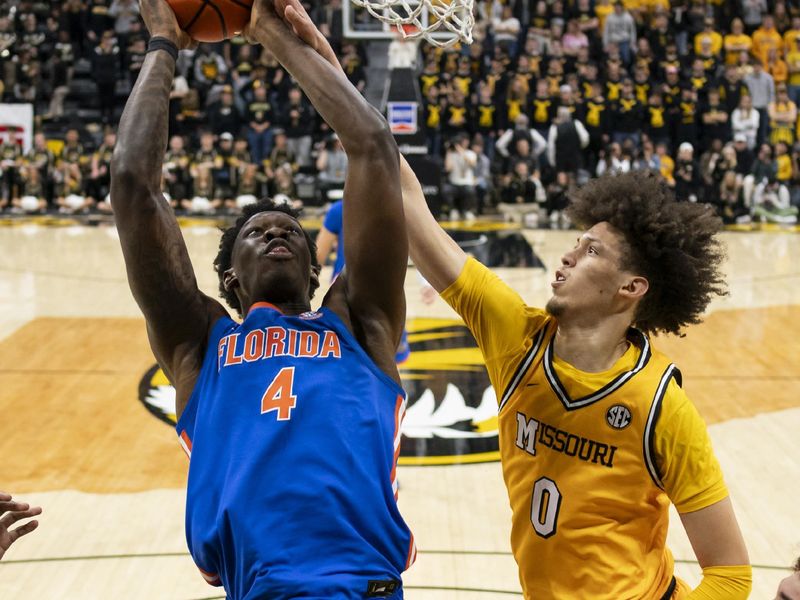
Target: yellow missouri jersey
{"type": "Point", "coordinates": [591, 460]}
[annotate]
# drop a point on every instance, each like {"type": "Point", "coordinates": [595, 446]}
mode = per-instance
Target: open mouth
{"type": "Point", "coordinates": [560, 278]}
{"type": "Point", "coordinates": [278, 248]}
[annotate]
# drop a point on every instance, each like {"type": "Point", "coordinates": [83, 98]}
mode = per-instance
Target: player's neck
{"type": "Point", "coordinates": [594, 347]}
{"type": "Point", "coordinates": [285, 308]}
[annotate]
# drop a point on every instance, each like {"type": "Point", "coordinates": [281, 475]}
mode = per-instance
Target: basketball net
{"type": "Point", "coordinates": [450, 17]}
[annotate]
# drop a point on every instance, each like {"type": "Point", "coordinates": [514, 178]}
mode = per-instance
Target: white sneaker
{"type": "Point", "coordinates": [469, 216]}
{"type": "Point", "coordinates": [455, 215]}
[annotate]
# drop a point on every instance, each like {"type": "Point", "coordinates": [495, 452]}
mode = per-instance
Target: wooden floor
{"type": "Point", "coordinates": [76, 439]}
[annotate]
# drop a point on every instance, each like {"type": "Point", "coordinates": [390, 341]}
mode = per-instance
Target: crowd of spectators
{"type": "Point", "coordinates": [239, 128]}
{"type": "Point", "coordinates": [552, 92]}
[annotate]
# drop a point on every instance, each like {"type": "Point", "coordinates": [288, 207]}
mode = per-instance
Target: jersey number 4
{"type": "Point", "coordinates": [545, 504]}
{"type": "Point", "coordinates": [279, 396]}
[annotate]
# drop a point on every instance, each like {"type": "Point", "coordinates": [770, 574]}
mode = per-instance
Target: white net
{"type": "Point", "coordinates": [450, 20]}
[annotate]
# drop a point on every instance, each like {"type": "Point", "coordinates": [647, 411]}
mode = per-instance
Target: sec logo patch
{"type": "Point", "coordinates": [618, 416]}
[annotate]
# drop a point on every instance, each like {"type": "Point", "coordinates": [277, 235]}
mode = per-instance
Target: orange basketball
{"type": "Point", "coordinates": [212, 20]}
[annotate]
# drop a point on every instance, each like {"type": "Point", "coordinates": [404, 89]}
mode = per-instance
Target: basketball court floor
{"type": "Point", "coordinates": [85, 430]}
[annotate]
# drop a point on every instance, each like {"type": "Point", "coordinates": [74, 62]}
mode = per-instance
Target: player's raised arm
{"type": "Point", "coordinates": [159, 270]}
{"type": "Point", "coordinates": [375, 244]}
{"type": "Point", "coordinates": [436, 255]}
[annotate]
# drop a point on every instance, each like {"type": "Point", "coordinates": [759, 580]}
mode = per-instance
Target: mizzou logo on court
{"type": "Point", "coordinates": [452, 408]}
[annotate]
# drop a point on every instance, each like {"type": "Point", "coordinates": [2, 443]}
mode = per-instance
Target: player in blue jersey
{"type": "Point", "coordinates": [292, 417]}
{"type": "Point", "coordinates": [329, 238]}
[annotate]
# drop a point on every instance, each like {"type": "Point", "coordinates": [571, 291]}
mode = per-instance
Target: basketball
{"type": "Point", "coordinates": [212, 20]}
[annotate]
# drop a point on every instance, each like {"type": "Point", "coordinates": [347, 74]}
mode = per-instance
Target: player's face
{"type": "Point", "coordinates": [588, 282]}
{"type": "Point", "coordinates": [789, 588]}
{"type": "Point", "coordinates": [272, 260]}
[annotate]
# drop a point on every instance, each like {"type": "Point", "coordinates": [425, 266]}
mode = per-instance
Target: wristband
{"type": "Point", "coordinates": [162, 43]}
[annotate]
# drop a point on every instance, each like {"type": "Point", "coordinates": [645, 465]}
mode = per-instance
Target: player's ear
{"type": "Point", "coordinates": [315, 270]}
{"type": "Point", "coordinates": [635, 287]}
{"type": "Point", "coordinates": [230, 280]}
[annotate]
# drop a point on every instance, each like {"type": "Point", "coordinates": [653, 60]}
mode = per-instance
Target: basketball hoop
{"type": "Point", "coordinates": [453, 18]}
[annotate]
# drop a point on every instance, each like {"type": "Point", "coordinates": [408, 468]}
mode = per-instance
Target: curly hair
{"type": "Point", "coordinates": [674, 245]}
{"type": "Point", "coordinates": [224, 257]}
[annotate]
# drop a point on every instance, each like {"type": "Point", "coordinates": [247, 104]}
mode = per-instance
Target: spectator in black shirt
{"type": "Point", "coordinates": [542, 108]}
{"type": "Point", "coordinates": [565, 143]}
{"type": "Point", "coordinates": [716, 120]}
{"type": "Point", "coordinates": [456, 114]}
{"type": "Point", "coordinates": [353, 67]}
{"type": "Point", "coordinates": [105, 72]}
{"type": "Point", "coordinates": [223, 116]}
{"type": "Point", "coordinates": [260, 118]}
{"type": "Point", "coordinates": [135, 58]}
{"type": "Point", "coordinates": [98, 21]}
{"type": "Point", "coordinates": [657, 120]}
{"type": "Point", "coordinates": [627, 112]}
{"type": "Point", "coordinates": [660, 36]}
{"type": "Point", "coordinates": [298, 122]}
{"type": "Point", "coordinates": [731, 88]}
{"type": "Point", "coordinates": [99, 180]}
{"type": "Point", "coordinates": [432, 112]}
{"type": "Point", "coordinates": [176, 171]}
{"type": "Point", "coordinates": [688, 183]}
{"type": "Point", "coordinates": [686, 119]}
{"type": "Point", "coordinates": [744, 156]}
{"type": "Point", "coordinates": [223, 175]}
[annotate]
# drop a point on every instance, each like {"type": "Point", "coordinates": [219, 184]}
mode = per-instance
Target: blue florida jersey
{"type": "Point", "coordinates": [293, 435]}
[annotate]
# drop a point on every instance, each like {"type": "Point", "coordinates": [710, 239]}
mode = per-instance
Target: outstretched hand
{"type": "Point", "coordinates": [10, 513]}
{"type": "Point", "coordinates": [267, 14]}
{"type": "Point", "coordinates": [160, 20]}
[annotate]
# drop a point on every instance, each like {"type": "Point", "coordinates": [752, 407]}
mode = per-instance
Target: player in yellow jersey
{"type": "Point", "coordinates": [597, 436]}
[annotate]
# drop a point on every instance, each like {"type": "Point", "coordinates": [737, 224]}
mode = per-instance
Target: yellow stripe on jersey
{"type": "Point", "coordinates": [590, 460]}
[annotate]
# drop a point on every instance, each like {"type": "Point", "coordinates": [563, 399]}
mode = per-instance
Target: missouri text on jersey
{"type": "Point", "coordinates": [530, 431]}
{"type": "Point", "coordinates": [261, 344]}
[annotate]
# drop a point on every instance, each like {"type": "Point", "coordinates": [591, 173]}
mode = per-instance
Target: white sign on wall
{"type": "Point", "coordinates": [16, 122]}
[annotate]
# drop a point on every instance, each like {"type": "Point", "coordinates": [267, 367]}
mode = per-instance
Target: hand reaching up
{"type": "Point", "coordinates": [292, 15]}
{"type": "Point", "coordinates": [11, 512]}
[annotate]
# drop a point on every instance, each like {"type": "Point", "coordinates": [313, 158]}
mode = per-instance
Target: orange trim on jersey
{"type": "Point", "coordinates": [211, 578]}
{"type": "Point", "coordinates": [397, 406]}
{"type": "Point", "coordinates": [412, 553]}
{"type": "Point", "coordinates": [264, 305]}
{"type": "Point", "coordinates": [186, 443]}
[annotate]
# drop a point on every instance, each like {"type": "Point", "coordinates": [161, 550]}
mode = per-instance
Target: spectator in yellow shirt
{"type": "Point", "coordinates": [708, 33]}
{"type": "Point", "coordinates": [784, 163]}
{"type": "Point", "coordinates": [667, 165]}
{"type": "Point", "coordinates": [782, 117]}
{"type": "Point", "coordinates": [793, 64]}
{"type": "Point", "coordinates": [653, 6]}
{"type": "Point", "coordinates": [790, 38]}
{"type": "Point", "coordinates": [766, 37]}
{"type": "Point", "coordinates": [776, 66]}
{"type": "Point", "coordinates": [736, 41]}
{"type": "Point", "coordinates": [602, 9]}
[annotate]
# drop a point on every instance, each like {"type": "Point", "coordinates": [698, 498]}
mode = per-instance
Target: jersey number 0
{"type": "Point", "coordinates": [545, 504]}
{"type": "Point", "coordinates": [279, 396]}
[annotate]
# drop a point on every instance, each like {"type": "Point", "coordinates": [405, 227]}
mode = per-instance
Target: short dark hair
{"type": "Point", "coordinates": [673, 244]}
{"type": "Point", "coordinates": [224, 257]}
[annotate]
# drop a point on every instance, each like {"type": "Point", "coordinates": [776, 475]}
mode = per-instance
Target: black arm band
{"type": "Point", "coordinates": [162, 43]}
